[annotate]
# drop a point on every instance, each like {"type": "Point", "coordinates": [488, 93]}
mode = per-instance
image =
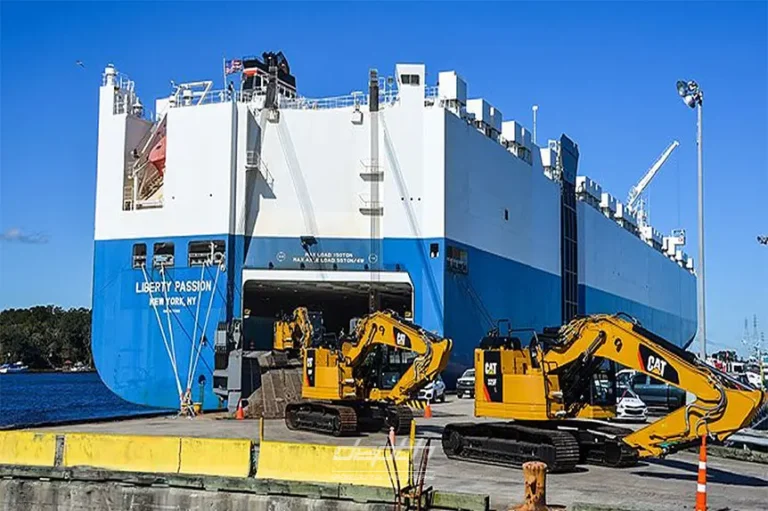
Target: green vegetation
{"type": "Point", "coordinates": [46, 337]}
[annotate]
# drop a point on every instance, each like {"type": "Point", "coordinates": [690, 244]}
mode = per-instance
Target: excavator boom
{"type": "Point", "coordinates": [385, 328]}
{"type": "Point", "coordinates": [722, 406]}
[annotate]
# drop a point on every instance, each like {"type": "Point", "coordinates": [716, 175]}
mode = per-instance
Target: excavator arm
{"type": "Point", "coordinates": [386, 328]}
{"type": "Point", "coordinates": [722, 406]}
{"type": "Point", "coordinates": [294, 332]}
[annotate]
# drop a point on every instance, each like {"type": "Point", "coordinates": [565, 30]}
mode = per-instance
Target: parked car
{"type": "Point", "coordinates": [630, 407]}
{"type": "Point", "coordinates": [465, 385]}
{"type": "Point", "coordinates": [434, 391]}
{"type": "Point", "coordinates": [654, 393]}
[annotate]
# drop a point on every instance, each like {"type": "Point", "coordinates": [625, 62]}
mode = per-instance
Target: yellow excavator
{"type": "Point", "coordinates": [297, 330]}
{"type": "Point", "coordinates": [544, 389]}
{"type": "Point", "coordinates": [362, 381]}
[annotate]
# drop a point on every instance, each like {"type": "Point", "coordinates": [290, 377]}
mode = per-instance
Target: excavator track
{"type": "Point", "coordinates": [336, 420]}
{"type": "Point", "coordinates": [601, 444]}
{"type": "Point", "coordinates": [510, 444]}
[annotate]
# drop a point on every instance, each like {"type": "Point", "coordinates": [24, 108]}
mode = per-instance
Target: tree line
{"type": "Point", "coordinates": [46, 337]}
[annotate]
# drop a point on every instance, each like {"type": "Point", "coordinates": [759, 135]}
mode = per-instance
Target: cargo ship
{"type": "Point", "coordinates": [219, 209]}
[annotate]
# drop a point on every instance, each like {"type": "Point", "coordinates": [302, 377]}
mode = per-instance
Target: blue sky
{"type": "Point", "coordinates": [604, 73]}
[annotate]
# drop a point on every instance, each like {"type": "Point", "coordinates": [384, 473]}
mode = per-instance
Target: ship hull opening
{"type": "Point", "coordinates": [339, 301]}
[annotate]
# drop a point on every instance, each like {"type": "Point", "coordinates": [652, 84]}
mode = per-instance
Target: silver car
{"type": "Point", "coordinates": [465, 386]}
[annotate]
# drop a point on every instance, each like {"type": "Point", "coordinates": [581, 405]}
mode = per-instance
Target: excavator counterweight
{"type": "Point", "coordinates": [544, 389]}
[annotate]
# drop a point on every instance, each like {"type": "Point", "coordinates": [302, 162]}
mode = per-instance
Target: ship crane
{"type": "Point", "coordinates": [633, 201]}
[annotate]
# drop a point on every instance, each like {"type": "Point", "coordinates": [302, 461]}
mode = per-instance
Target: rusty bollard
{"type": "Point", "coordinates": [535, 476]}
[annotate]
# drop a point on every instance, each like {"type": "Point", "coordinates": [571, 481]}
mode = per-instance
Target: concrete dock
{"type": "Point", "coordinates": [668, 484]}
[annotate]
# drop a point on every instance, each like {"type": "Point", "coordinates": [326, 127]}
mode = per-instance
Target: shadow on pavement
{"type": "Point", "coordinates": [713, 475]}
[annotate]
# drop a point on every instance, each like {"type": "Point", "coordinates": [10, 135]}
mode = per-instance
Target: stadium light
{"type": "Point", "coordinates": [693, 96]}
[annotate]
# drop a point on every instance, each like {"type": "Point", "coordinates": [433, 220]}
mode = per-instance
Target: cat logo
{"type": "Point", "coordinates": [656, 365]}
{"type": "Point", "coordinates": [401, 338]}
{"type": "Point", "coordinates": [309, 376]}
{"type": "Point", "coordinates": [493, 388]}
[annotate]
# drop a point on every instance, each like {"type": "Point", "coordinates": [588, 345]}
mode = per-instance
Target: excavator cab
{"type": "Point", "coordinates": [394, 363]}
{"type": "Point", "coordinates": [601, 395]}
{"type": "Point", "coordinates": [383, 367]}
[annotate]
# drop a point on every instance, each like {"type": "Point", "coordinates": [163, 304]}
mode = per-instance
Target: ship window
{"type": "Point", "coordinates": [206, 252]}
{"type": "Point", "coordinates": [434, 250]}
{"type": "Point", "coordinates": [409, 79]}
{"type": "Point", "coordinates": [139, 255]}
{"type": "Point", "coordinates": [163, 254]}
{"type": "Point", "coordinates": [506, 214]}
{"type": "Point", "coordinates": [456, 259]}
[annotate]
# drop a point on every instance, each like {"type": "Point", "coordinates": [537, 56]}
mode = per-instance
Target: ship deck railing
{"type": "Point", "coordinates": [349, 100]}
{"type": "Point", "coordinates": [354, 99]}
{"type": "Point", "coordinates": [212, 97]}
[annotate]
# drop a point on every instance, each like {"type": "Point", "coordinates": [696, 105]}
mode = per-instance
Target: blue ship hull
{"type": "Point", "coordinates": [148, 324]}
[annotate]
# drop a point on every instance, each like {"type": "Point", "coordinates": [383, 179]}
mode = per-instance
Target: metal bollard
{"type": "Point", "coordinates": [535, 476]}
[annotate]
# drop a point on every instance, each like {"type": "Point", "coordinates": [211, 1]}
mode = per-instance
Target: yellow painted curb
{"type": "Point", "coordinates": [123, 452]}
{"type": "Point", "coordinates": [370, 466]}
{"type": "Point", "coordinates": [215, 456]}
{"type": "Point", "coordinates": [27, 448]}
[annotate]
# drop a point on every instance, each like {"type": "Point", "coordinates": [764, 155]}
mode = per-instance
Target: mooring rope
{"type": "Point", "coordinates": [162, 330]}
{"type": "Point", "coordinates": [170, 327]}
{"type": "Point", "coordinates": [194, 334]}
{"type": "Point", "coordinates": [207, 316]}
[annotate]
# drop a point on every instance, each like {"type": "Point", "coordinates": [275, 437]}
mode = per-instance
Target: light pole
{"type": "Point", "coordinates": [694, 97]}
{"type": "Point", "coordinates": [535, 109]}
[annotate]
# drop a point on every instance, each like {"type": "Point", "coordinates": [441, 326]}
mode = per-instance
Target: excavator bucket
{"type": "Point", "coordinates": [268, 377]}
{"type": "Point", "coordinates": [278, 382]}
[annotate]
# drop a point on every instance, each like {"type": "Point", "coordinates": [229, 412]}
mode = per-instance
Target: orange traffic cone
{"type": "Point", "coordinates": [428, 411]}
{"type": "Point", "coordinates": [701, 488]}
{"type": "Point", "coordinates": [239, 414]}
